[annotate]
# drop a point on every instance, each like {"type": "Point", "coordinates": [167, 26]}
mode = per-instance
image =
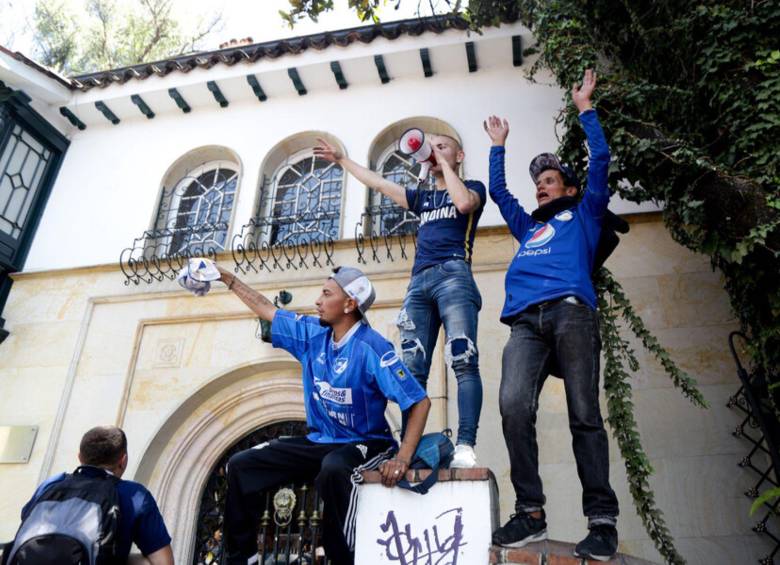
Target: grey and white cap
{"type": "Point", "coordinates": [356, 285]}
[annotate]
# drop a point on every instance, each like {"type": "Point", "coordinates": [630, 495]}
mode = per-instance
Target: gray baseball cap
{"type": "Point", "coordinates": [546, 161]}
{"type": "Point", "coordinates": [356, 285]}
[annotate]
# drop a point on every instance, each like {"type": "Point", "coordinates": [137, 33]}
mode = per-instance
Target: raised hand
{"type": "Point", "coordinates": [326, 151]}
{"type": "Point", "coordinates": [581, 94]}
{"type": "Point", "coordinates": [497, 129]}
{"type": "Point", "coordinates": [441, 159]}
{"type": "Point", "coordinates": [224, 275]}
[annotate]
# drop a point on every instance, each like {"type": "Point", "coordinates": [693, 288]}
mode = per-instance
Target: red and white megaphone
{"type": "Point", "coordinates": [413, 144]}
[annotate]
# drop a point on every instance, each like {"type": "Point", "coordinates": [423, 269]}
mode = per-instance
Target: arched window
{"type": "Point", "coordinates": [196, 204]}
{"type": "Point", "coordinates": [387, 218]}
{"type": "Point", "coordinates": [200, 207]}
{"type": "Point", "coordinates": [300, 201]}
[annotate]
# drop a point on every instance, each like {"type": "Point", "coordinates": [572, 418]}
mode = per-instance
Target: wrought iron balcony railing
{"type": "Point", "coordinates": [280, 243]}
{"type": "Point", "coordinates": [285, 242]}
{"type": "Point", "coordinates": [159, 254]}
{"type": "Point", "coordinates": [385, 232]}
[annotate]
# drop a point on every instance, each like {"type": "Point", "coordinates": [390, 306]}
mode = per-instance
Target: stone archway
{"type": "Point", "coordinates": [209, 542]}
{"type": "Point", "coordinates": [177, 462]}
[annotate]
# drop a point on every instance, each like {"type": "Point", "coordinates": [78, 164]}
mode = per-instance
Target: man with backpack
{"type": "Point", "coordinates": [551, 307]}
{"type": "Point", "coordinates": [92, 516]}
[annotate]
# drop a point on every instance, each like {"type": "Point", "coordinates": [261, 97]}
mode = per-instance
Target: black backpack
{"type": "Point", "coordinates": [75, 521]}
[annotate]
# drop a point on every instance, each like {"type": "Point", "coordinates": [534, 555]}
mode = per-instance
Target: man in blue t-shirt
{"type": "Point", "coordinates": [442, 289]}
{"type": "Point", "coordinates": [349, 373]}
{"type": "Point", "coordinates": [551, 307]}
{"type": "Point", "coordinates": [104, 450]}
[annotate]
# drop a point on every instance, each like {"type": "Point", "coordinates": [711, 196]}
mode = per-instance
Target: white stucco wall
{"type": "Point", "coordinates": [107, 190]}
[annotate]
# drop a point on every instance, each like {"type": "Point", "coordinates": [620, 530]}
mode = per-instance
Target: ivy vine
{"type": "Point", "coordinates": [619, 359]}
{"type": "Point", "coordinates": [689, 98]}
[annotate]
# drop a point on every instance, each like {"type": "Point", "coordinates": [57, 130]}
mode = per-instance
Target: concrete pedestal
{"type": "Point", "coordinates": [451, 524]}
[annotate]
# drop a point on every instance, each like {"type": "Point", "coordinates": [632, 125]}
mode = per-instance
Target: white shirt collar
{"type": "Point", "coordinates": [345, 338]}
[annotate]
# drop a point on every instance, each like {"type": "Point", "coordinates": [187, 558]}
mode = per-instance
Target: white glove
{"type": "Point", "coordinates": [197, 275]}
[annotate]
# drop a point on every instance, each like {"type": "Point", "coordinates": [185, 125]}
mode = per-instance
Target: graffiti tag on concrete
{"type": "Point", "coordinates": [437, 544]}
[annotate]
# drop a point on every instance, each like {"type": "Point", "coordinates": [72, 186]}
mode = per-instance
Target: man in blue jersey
{"type": "Point", "coordinates": [551, 307]}
{"type": "Point", "coordinates": [103, 450]}
{"type": "Point", "coordinates": [349, 373]}
{"type": "Point", "coordinates": [442, 289]}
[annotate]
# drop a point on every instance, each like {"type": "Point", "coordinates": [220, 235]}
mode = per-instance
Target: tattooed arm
{"type": "Point", "coordinates": [258, 303]}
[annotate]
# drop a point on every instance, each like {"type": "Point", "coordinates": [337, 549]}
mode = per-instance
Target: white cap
{"type": "Point", "coordinates": [356, 285]}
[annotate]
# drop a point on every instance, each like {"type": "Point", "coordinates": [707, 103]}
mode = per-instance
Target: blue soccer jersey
{"type": "Point", "coordinates": [345, 388]}
{"type": "Point", "coordinates": [444, 232]}
{"type": "Point", "coordinates": [555, 258]}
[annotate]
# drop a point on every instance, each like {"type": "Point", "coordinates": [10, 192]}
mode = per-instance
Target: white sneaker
{"type": "Point", "coordinates": [464, 457]}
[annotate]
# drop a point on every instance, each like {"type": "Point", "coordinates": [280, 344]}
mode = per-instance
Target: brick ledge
{"type": "Point", "coordinates": [552, 553]}
{"type": "Point", "coordinates": [445, 475]}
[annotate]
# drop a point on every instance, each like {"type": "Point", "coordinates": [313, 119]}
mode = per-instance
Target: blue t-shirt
{"type": "Point", "coordinates": [444, 232]}
{"type": "Point", "coordinates": [140, 522]}
{"type": "Point", "coordinates": [345, 389]}
{"type": "Point", "coordinates": [555, 259]}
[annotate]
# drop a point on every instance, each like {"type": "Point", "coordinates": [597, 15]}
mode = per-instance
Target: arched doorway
{"type": "Point", "coordinates": [179, 461]}
{"type": "Point", "coordinates": [287, 534]}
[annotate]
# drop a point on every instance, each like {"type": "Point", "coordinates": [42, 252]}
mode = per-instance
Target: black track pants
{"type": "Point", "coordinates": [334, 467]}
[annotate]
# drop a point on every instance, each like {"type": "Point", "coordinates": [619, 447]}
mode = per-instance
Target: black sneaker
{"type": "Point", "coordinates": [521, 530]}
{"type": "Point", "coordinates": [600, 544]}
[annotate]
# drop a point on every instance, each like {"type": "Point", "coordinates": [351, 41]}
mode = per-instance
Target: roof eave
{"type": "Point", "coordinates": [270, 49]}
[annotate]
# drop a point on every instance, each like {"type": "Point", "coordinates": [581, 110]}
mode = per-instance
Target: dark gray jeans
{"type": "Point", "coordinates": [563, 338]}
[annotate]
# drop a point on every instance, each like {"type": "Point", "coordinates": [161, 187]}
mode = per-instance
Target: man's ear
{"type": "Point", "coordinates": [350, 304]}
{"type": "Point", "coordinates": [81, 460]}
{"type": "Point", "coordinates": [122, 464]}
{"type": "Point", "coordinates": [459, 156]}
{"type": "Point", "coordinates": [571, 191]}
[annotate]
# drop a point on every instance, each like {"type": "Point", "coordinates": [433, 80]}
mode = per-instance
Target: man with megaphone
{"type": "Point", "coordinates": [551, 307]}
{"type": "Point", "coordinates": [414, 144]}
{"type": "Point", "coordinates": [442, 289]}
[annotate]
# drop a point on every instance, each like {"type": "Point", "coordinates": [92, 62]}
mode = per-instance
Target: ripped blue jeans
{"type": "Point", "coordinates": [445, 294]}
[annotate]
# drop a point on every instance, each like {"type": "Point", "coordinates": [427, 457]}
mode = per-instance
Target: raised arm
{"type": "Point", "coordinates": [516, 218]}
{"type": "Point", "coordinates": [464, 199]}
{"type": "Point", "coordinates": [596, 197]}
{"type": "Point", "coordinates": [258, 303]}
{"type": "Point", "coordinates": [371, 179]}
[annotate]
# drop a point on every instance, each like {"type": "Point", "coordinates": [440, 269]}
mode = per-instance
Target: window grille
{"type": "Point", "coordinates": [302, 203]}
{"type": "Point", "coordinates": [193, 216]}
{"type": "Point", "coordinates": [22, 165]}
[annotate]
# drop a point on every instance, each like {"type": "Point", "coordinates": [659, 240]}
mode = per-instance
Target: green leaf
{"type": "Point", "coordinates": [766, 496]}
